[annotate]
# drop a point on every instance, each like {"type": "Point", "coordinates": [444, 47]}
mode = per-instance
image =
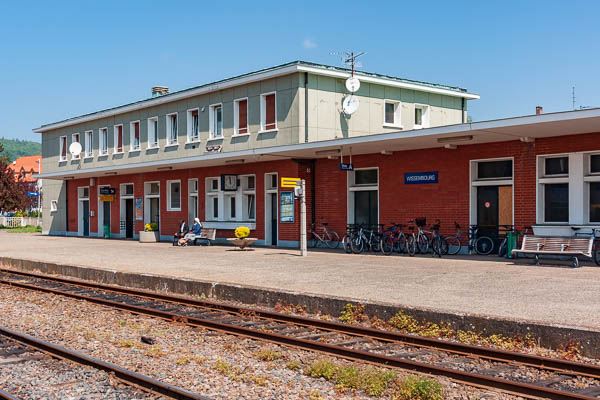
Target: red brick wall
{"type": "Point", "coordinates": [447, 200]}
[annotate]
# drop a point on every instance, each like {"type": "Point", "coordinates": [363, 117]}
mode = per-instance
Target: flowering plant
{"type": "Point", "coordinates": [151, 227]}
{"type": "Point", "coordinates": [242, 232]}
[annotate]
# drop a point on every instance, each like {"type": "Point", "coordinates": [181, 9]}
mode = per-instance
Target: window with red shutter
{"type": "Point", "coordinates": [63, 148]}
{"type": "Point", "coordinates": [270, 112]}
{"type": "Point", "coordinates": [243, 116]}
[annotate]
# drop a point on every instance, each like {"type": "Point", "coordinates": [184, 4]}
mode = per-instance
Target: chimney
{"type": "Point", "coordinates": [539, 110]}
{"type": "Point", "coordinates": [159, 91]}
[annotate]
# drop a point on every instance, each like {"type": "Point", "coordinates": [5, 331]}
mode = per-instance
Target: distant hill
{"type": "Point", "coordinates": [16, 148]}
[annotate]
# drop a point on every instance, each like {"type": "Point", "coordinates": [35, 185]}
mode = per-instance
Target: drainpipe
{"type": "Point", "coordinates": [66, 206]}
{"type": "Point", "coordinates": [306, 109]}
{"type": "Point", "coordinates": [312, 191]}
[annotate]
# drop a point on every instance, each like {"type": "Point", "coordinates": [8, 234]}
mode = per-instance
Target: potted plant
{"type": "Point", "coordinates": [150, 234]}
{"type": "Point", "coordinates": [241, 239]}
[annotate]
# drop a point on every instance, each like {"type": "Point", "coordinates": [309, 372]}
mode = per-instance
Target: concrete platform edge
{"type": "Point", "coordinates": [548, 335]}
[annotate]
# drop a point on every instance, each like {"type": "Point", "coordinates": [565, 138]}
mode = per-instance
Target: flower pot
{"type": "Point", "coordinates": [149, 237]}
{"type": "Point", "coordinates": [242, 243]}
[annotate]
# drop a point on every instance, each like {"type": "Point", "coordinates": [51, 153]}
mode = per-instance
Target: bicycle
{"type": "Point", "coordinates": [503, 248]}
{"type": "Point", "coordinates": [393, 239]}
{"type": "Point", "coordinates": [365, 238]}
{"type": "Point", "coordinates": [328, 237]}
{"type": "Point", "coordinates": [596, 246]}
{"type": "Point", "coordinates": [439, 246]}
{"type": "Point", "coordinates": [350, 229]}
{"type": "Point", "coordinates": [422, 238]}
{"type": "Point", "coordinates": [411, 242]}
{"type": "Point", "coordinates": [480, 244]}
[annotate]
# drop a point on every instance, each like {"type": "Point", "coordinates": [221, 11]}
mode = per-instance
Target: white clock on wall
{"type": "Point", "coordinates": [350, 104]}
{"type": "Point", "coordinates": [229, 182]}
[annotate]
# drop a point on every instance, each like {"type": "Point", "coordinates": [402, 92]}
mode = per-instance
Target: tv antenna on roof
{"type": "Point", "coordinates": [349, 59]}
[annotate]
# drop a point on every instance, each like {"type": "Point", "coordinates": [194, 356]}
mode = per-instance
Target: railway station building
{"type": "Point", "coordinates": [218, 152]}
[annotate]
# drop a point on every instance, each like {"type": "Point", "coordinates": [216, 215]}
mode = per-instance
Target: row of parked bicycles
{"type": "Point", "coordinates": [413, 238]}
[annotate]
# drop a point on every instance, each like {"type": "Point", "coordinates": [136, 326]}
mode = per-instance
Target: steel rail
{"type": "Point", "coordinates": [130, 377]}
{"type": "Point", "coordinates": [518, 388]}
{"type": "Point", "coordinates": [378, 334]}
{"type": "Point", "coordinates": [7, 396]}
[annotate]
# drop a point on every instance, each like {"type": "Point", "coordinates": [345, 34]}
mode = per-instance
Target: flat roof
{"type": "Point", "coordinates": [279, 70]}
{"type": "Point", "coordinates": [526, 128]}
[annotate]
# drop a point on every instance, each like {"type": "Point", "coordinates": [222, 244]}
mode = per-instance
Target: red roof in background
{"type": "Point", "coordinates": [28, 166]}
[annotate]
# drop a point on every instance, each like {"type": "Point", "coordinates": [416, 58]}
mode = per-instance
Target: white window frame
{"type": "Point", "coordinates": [169, 124]}
{"type": "Point", "coordinates": [77, 157]}
{"type": "Point", "coordinates": [62, 144]}
{"type": "Point", "coordinates": [476, 182]}
{"type": "Point", "coordinates": [88, 144]}
{"type": "Point", "coordinates": [236, 117]}
{"type": "Point", "coordinates": [397, 114]}
{"type": "Point", "coordinates": [169, 183]}
{"type": "Point", "coordinates": [212, 121]}
{"type": "Point", "coordinates": [241, 195]}
{"type": "Point", "coordinates": [53, 205]}
{"type": "Point", "coordinates": [115, 134]}
{"type": "Point", "coordinates": [424, 116]}
{"type": "Point", "coordinates": [352, 187]}
{"type": "Point", "coordinates": [193, 137]}
{"type": "Point", "coordinates": [103, 141]}
{"type": "Point", "coordinates": [589, 178]}
{"type": "Point", "coordinates": [193, 193]}
{"type": "Point", "coordinates": [132, 148]}
{"type": "Point", "coordinates": [147, 197]}
{"type": "Point", "coordinates": [263, 113]}
{"type": "Point", "coordinates": [246, 192]}
{"type": "Point", "coordinates": [153, 131]}
{"type": "Point", "coordinates": [543, 179]}
{"type": "Point", "coordinates": [210, 195]}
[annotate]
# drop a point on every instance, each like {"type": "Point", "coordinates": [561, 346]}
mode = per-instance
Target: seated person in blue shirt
{"type": "Point", "coordinates": [194, 232]}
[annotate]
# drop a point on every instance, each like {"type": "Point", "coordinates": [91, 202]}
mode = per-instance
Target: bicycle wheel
{"type": "Point", "coordinates": [503, 248]}
{"type": "Point", "coordinates": [422, 244]}
{"type": "Point", "coordinates": [400, 244]}
{"type": "Point", "coordinates": [357, 244]}
{"type": "Point", "coordinates": [411, 245]}
{"type": "Point", "coordinates": [332, 240]}
{"type": "Point", "coordinates": [453, 244]}
{"type": "Point", "coordinates": [376, 243]}
{"type": "Point", "coordinates": [311, 241]}
{"type": "Point", "coordinates": [346, 244]}
{"type": "Point", "coordinates": [387, 244]}
{"type": "Point", "coordinates": [484, 245]}
{"type": "Point", "coordinates": [443, 246]}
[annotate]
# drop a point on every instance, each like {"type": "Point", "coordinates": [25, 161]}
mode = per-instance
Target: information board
{"type": "Point", "coordinates": [286, 207]}
{"type": "Point", "coordinates": [139, 211]}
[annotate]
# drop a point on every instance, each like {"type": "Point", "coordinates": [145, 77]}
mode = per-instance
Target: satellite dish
{"type": "Point", "coordinates": [352, 84]}
{"type": "Point", "coordinates": [350, 104]}
{"type": "Point", "coordinates": [75, 149]}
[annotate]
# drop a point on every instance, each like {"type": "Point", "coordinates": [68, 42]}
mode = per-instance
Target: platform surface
{"type": "Point", "coordinates": [488, 286]}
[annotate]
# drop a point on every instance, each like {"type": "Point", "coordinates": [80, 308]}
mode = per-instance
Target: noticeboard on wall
{"type": "Point", "coordinates": [139, 211]}
{"type": "Point", "coordinates": [286, 207]}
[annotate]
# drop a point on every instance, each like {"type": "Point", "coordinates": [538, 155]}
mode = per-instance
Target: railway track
{"type": "Point", "coordinates": [17, 348]}
{"type": "Point", "coordinates": [516, 373]}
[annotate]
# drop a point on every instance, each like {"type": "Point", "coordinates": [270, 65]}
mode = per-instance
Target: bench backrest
{"type": "Point", "coordinates": [208, 233]}
{"type": "Point", "coordinates": [558, 244]}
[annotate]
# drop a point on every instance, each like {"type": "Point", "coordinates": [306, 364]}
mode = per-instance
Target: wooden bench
{"type": "Point", "coordinates": [206, 234]}
{"type": "Point", "coordinates": [559, 246]}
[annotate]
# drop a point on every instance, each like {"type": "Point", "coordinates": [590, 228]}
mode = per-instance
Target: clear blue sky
{"type": "Point", "coordinates": [63, 59]}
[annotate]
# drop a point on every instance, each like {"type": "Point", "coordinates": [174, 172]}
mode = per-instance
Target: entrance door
{"type": "Point", "coordinates": [154, 210]}
{"type": "Point", "coordinates": [106, 219]}
{"type": "Point", "coordinates": [86, 217]}
{"type": "Point", "coordinates": [273, 218]}
{"type": "Point", "coordinates": [365, 207]}
{"type": "Point", "coordinates": [129, 218]}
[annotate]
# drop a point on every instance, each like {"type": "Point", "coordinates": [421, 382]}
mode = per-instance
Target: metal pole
{"type": "Point", "coordinates": [303, 248]}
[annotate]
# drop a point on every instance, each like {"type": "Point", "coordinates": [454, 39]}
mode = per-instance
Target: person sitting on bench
{"type": "Point", "coordinates": [196, 228]}
{"type": "Point", "coordinates": [183, 229]}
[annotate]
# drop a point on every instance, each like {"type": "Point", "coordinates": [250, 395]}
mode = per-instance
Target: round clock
{"type": "Point", "coordinates": [352, 84]}
{"type": "Point", "coordinates": [350, 104]}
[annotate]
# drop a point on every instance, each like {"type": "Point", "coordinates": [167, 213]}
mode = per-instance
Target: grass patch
{"type": "Point", "coordinates": [22, 229]}
{"type": "Point", "coordinates": [268, 355]}
{"type": "Point", "coordinates": [294, 365]}
{"type": "Point", "coordinates": [417, 388]}
{"type": "Point", "coordinates": [353, 314]}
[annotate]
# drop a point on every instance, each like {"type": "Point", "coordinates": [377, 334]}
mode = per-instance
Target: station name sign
{"type": "Point", "coordinates": [107, 191]}
{"type": "Point", "coordinates": [413, 178]}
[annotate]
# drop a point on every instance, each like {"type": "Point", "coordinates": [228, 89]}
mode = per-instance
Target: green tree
{"type": "Point", "coordinates": [13, 194]}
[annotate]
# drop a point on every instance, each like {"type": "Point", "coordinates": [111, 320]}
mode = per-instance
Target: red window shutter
{"type": "Point", "coordinates": [120, 138]}
{"type": "Point", "coordinates": [270, 111]}
{"type": "Point", "coordinates": [137, 130]}
{"type": "Point", "coordinates": [64, 147]}
{"type": "Point", "coordinates": [77, 138]}
{"type": "Point", "coordinates": [195, 113]}
{"type": "Point", "coordinates": [243, 116]}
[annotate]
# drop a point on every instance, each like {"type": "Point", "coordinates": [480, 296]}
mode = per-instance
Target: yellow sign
{"type": "Point", "coordinates": [108, 197]}
{"type": "Point", "coordinates": [290, 182]}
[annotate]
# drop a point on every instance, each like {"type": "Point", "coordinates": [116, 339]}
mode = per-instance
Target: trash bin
{"type": "Point", "coordinates": [106, 231]}
{"type": "Point", "coordinates": [511, 242]}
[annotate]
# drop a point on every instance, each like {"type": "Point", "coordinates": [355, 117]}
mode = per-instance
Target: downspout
{"type": "Point", "coordinates": [312, 191]}
{"type": "Point", "coordinates": [66, 207]}
{"type": "Point", "coordinates": [306, 108]}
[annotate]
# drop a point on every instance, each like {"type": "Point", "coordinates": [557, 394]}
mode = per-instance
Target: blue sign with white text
{"type": "Point", "coordinates": [412, 178]}
{"type": "Point", "coordinates": [33, 194]}
{"type": "Point", "coordinates": [346, 167]}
